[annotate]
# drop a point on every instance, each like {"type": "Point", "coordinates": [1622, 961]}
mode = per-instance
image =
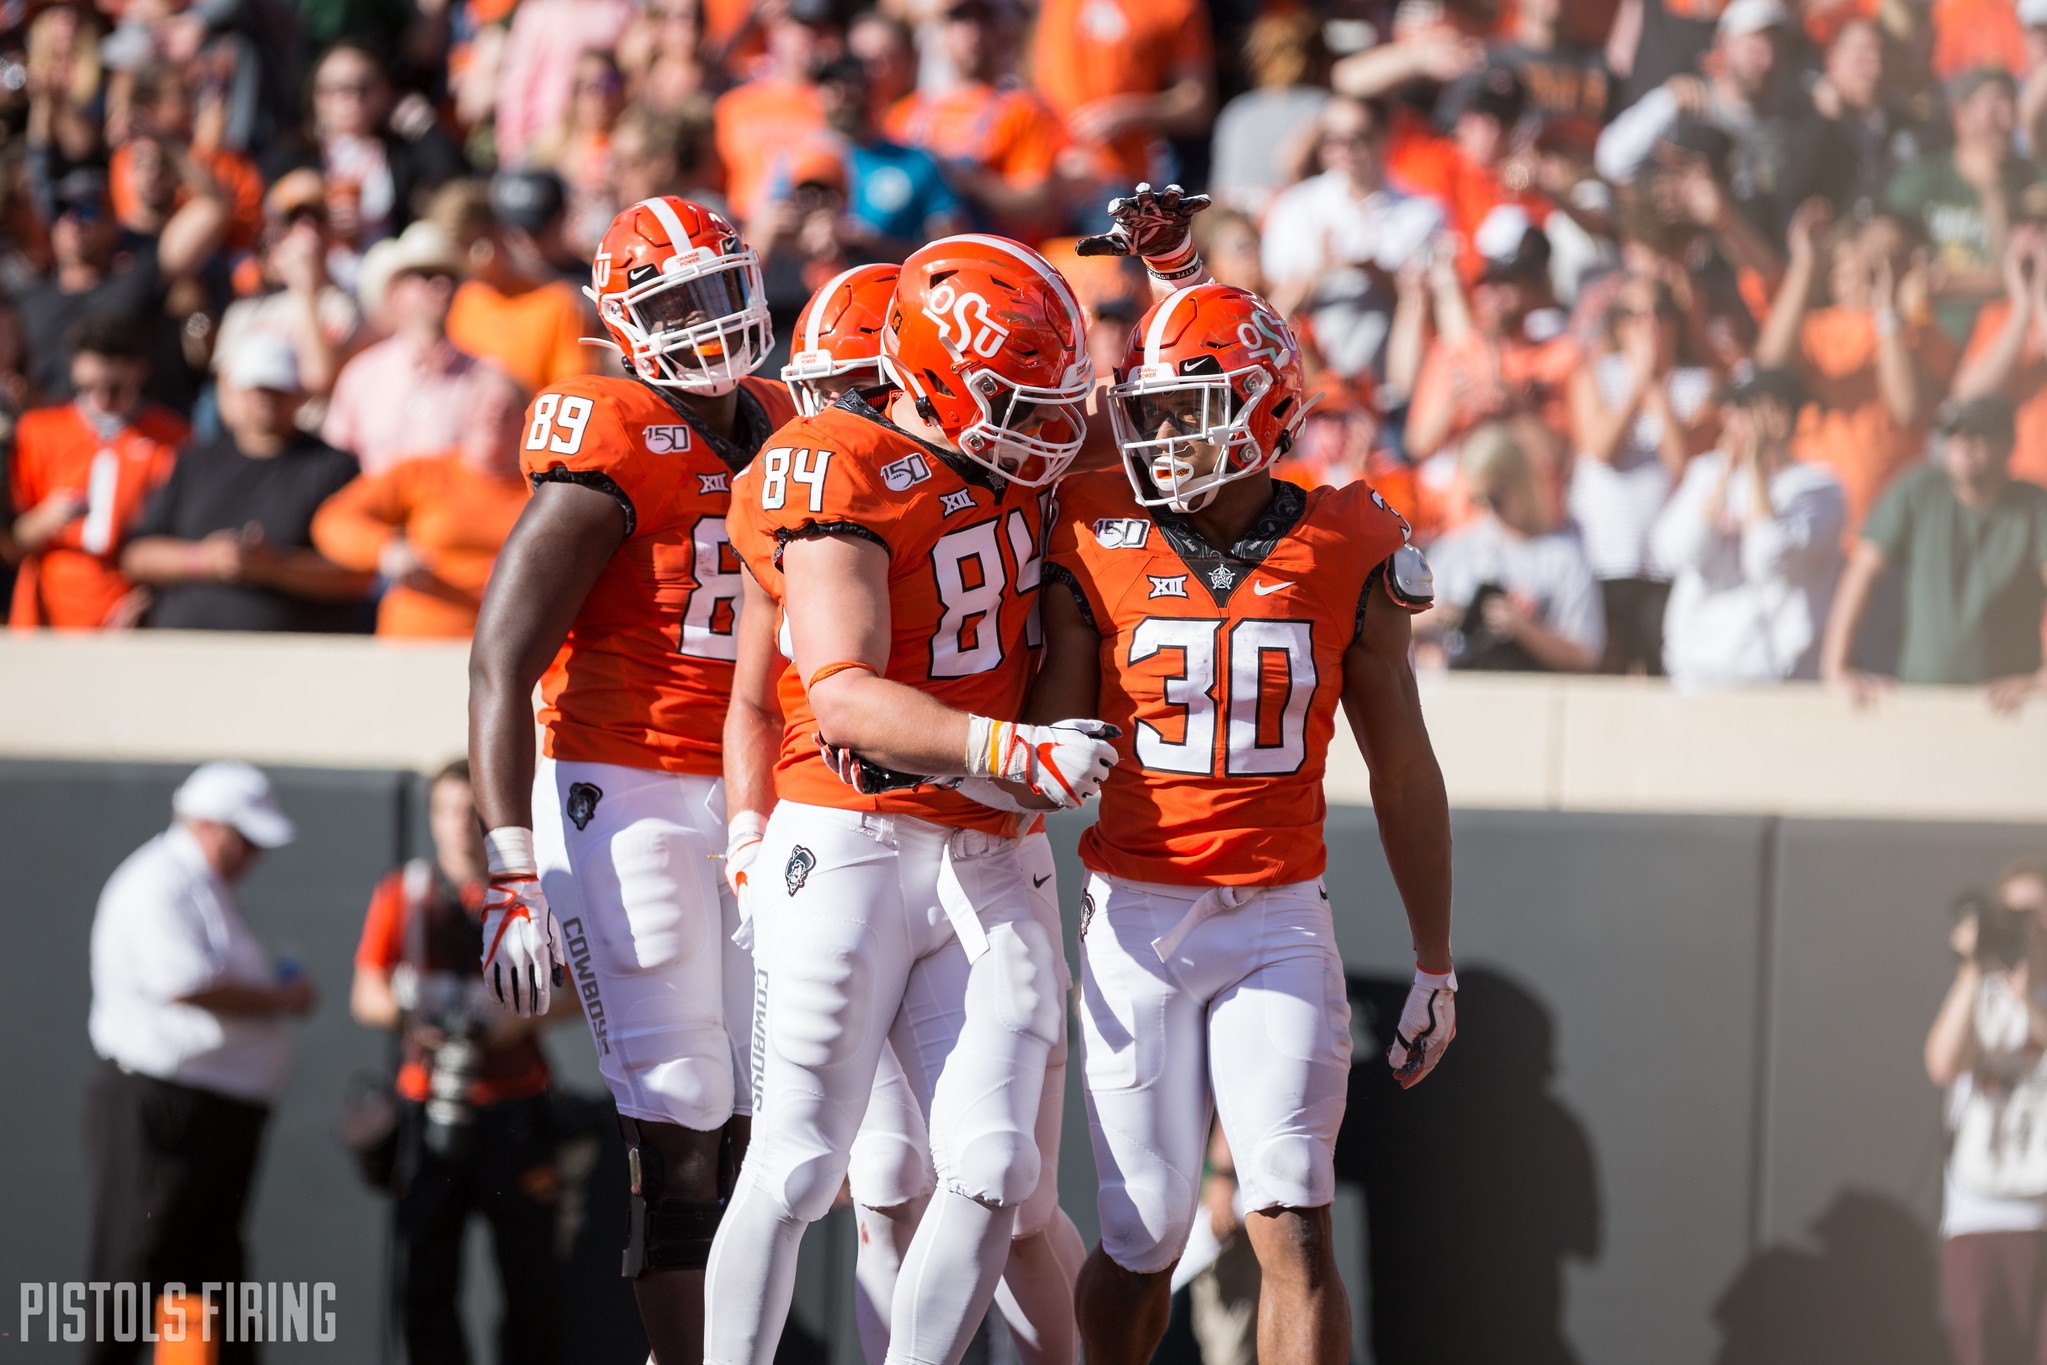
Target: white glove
{"type": "Point", "coordinates": [1427, 1024]}
{"type": "Point", "coordinates": [523, 955]}
{"type": "Point", "coordinates": [1065, 762]}
{"type": "Point", "coordinates": [742, 845]}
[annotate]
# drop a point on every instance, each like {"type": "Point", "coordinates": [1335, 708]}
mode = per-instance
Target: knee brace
{"type": "Point", "coordinates": [887, 1170]}
{"type": "Point", "coordinates": [665, 1229]}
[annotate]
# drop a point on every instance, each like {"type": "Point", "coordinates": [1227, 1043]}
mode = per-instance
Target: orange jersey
{"type": "Point", "coordinates": [644, 675]}
{"type": "Point", "coordinates": [1089, 50]}
{"type": "Point", "coordinates": [1005, 129]}
{"type": "Point", "coordinates": [963, 576]}
{"type": "Point", "coordinates": [1224, 672]}
{"type": "Point", "coordinates": [73, 581]}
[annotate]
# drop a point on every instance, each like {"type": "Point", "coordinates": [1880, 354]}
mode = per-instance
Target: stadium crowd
{"type": "Point", "coordinates": [1693, 336]}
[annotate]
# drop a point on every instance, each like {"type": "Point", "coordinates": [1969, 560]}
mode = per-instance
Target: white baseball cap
{"type": "Point", "coordinates": [1753, 16]}
{"type": "Point", "coordinates": [263, 360]}
{"type": "Point", "coordinates": [238, 795]}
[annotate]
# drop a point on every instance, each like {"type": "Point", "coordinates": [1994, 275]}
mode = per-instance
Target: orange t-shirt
{"type": "Point", "coordinates": [756, 127]}
{"type": "Point", "coordinates": [962, 580]}
{"type": "Point", "coordinates": [2027, 389]}
{"type": "Point", "coordinates": [1006, 129]}
{"type": "Point", "coordinates": [445, 945]}
{"type": "Point", "coordinates": [1224, 671]}
{"type": "Point", "coordinates": [454, 517]}
{"type": "Point", "coordinates": [1489, 379]}
{"type": "Point", "coordinates": [1975, 33]}
{"type": "Point", "coordinates": [535, 337]}
{"type": "Point", "coordinates": [644, 676]}
{"type": "Point", "coordinates": [1086, 50]}
{"type": "Point", "coordinates": [1423, 162]}
{"type": "Point", "coordinates": [1846, 425]}
{"type": "Point", "coordinates": [73, 581]}
{"type": "Point", "coordinates": [236, 173]}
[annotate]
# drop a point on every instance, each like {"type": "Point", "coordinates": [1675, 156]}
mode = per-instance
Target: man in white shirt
{"type": "Point", "coordinates": [1752, 542]}
{"type": "Point", "coordinates": [189, 1014]}
{"type": "Point", "coordinates": [1333, 242]}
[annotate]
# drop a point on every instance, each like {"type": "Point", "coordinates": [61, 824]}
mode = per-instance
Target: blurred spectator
{"type": "Point", "coordinates": [65, 83]}
{"type": "Point", "coordinates": [295, 299]}
{"type": "Point", "coordinates": [1231, 248]}
{"type": "Point", "coordinates": [761, 124]}
{"type": "Point", "coordinates": [514, 311]}
{"type": "Point", "coordinates": [1745, 94]}
{"type": "Point", "coordinates": [474, 1132]}
{"type": "Point", "coordinates": [1510, 594]}
{"type": "Point", "coordinates": [1511, 357]}
{"type": "Point", "coordinates": [1333, 242]}
{"type": "Point", "coordinates": [1880, 138]}
{"type": "Point", "coordinates": [1971, 545]}
{"type": "Point", "coordinates": [1264, 137]}
{"type": "Point", "coordinates": [1984, 1051]}
{"type": "Point", "coordinates": [162, 120]}
{"type": "Point", "coordinates": [1222, 1297]}
{"type": "Point", "coordinates": [431, 528]}
{"type": "Point", "coordinates": [662, 153]}
{"type": "Point", "coordinates": [81, 473]}
{"type": "Point", "coordinates": [996, 139]}
{"type": "Point", "coordinates": [1568, 86]}
{"type": "Point", "coordinates": [1639, 413]}
{"type": "Point", "coordinates": [805, 237]}
{"type": "Point", "coordinates": [1752, 540]}
{"type": "Point", "coordinates": [579, 150]}
{"type": "Point", "coordinates": [2008, 354]}
{"type": "Point", "coordinates": [190, 1020]}
{"type": "Point", "coordinates": [1872, 360]}
{"type": "Point", "coordinates": [102, 270]}
{"type": "Point", "coordinates": [379, 156]}
{"type": "Point", "coordinates": [2033, 86]}
{"type": "Point", "coordinates": [404, 396]}
{"type": "Point", "coordinates": [884, 46]}
{"type": "Point", "coordinates": [1965, 199]}
{"type": "Point", "coordinates": [225, 543]}
{"type": "Point", "coordinates": [661, 56]}
{"type": "Point", "coordinates": [1123, 75]}
{"type": "Point", "coordinates": [541, 57]}
{"type": "Point", "coordinates": [897, 197]}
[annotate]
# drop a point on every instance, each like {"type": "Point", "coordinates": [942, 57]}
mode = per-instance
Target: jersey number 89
{"type": "Point", "coordinates": [1264, 709]}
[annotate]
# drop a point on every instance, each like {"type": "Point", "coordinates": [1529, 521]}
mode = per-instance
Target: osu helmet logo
{"type": "Point", "coordinates": [1264, 337]}
{"type": "Point", "coordinates": [963, 322]}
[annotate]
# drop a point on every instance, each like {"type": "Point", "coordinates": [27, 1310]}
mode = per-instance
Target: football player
{"type": "Point", "coordinates": [900, 529]}
{"type": "Point", "coordinates": [890, 1171]}
{"type": "Point", "coordinates": [1219, 616]}
{"type": "Point", "coordinates": [617, 592]}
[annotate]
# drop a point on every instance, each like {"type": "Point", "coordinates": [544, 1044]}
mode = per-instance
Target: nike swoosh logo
{"type": "Point", "coordinates": [1268, 589]}
{"type": "Point", "coordinates": [1040, 881]}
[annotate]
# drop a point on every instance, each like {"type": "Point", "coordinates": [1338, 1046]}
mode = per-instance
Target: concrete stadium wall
{"type": "Point", "coordinates": [1683, 1122]}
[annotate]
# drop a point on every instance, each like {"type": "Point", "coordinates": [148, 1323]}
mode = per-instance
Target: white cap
{"type": "Point", "coordinates": [423, 247]}
{"type": "Point", "coordinates": [263, 360]}
{"type": "Point", "coordinates": [2033, 13]}
{"type": "Point", "coordinates": [238, 795]}
{"type": "Point", "coordinates": [1753, 16]}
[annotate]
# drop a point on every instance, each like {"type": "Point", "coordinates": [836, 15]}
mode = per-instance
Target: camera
{"type": "Point", "coordinates": [446, 1007]}
{"type": "Point", "coordinates": [2004, 935]}
{"type": "Point", "coordinates": [1474, 645]}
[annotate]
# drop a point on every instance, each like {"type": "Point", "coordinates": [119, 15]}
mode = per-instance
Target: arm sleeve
{"type": "Point", "coordinates": [1625, 145]}
{"type": "Point", "coordinates": [353, 527]}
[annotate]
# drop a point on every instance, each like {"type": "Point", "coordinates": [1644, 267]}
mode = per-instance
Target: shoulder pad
{"type": "Point", "coordinates": [1409, 580]}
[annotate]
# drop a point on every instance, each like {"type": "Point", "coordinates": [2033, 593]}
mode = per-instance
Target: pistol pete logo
{"type": "Point", "coordinates": [583, 799]}
{"type": "Point", "coordinates": [797, 872]}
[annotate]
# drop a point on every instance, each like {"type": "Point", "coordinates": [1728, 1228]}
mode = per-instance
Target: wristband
{"type": "Point", "coordinates": [1437, 981]}
{"type": "Point", "coordinates": [747, 827]}
{"type": "Point", "coordinates": [508, 852]}
{"type": "Point", "coordinates": [843, 666]}
{"type": "Point", "coordinates": [1887, 322]}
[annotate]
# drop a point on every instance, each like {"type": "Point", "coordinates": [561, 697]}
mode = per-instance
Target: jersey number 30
{"type": "Point", "coordinates": [1271, 679]}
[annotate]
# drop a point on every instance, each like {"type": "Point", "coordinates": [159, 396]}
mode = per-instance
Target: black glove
{"type": "Point", "coordinates": [1148, 223]}
{"type": "Point", "coordinates": [869, 779]}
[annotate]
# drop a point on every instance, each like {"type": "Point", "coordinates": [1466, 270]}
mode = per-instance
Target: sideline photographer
{"type": "Point", "coordinates": [473, 1134]}
{"type": "Point", "coordinates": [1988, 1050]}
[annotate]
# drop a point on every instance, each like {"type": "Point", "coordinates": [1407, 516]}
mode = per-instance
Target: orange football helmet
{"type": "Point", "coordinates": [839, 332]}
{"type": "Point", "coordinates": [682, 296]}
{"type": "Point", "coordinates": [1209, 391]}
{"type": "Point", "coordinates": [988, 339]}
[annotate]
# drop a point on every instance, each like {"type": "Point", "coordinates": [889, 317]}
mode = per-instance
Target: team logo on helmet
{"type": "Point", "coordinates": [797, 871]}
{"type": "Point", "coordinates": [583, 799]}
{"type": "Point", "coordinates": [964, 324]}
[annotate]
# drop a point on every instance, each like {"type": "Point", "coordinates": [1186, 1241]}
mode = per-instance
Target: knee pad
{"type": "Point", "coordinates": [692, 1087]}
{"type": "Point", "coordinates": [665, 1229]}
{"type": "Point", "coordinates": [999, 1166]}
{"type": "Point", "coordinates": [1288, 1170]}
{"type": "Point", "coordinates": [1146, 1216]}
{"type": "Point", "coordinates": [887, 1170]}
{"type": "Point", "coordinates": [808, 1185]}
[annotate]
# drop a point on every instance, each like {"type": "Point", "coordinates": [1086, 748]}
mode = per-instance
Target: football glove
{"type": "Point", "coordinates": [867, 778]}
{"type": "Point", "coordinates": [1065, 762]}
{"type": "Point", "coordinates": [1150, 223]}
{"type": "Point", "coordinates": [742, 845]}
{"type": "Point", "coordinates": [522, 943]}
{"type": "Point", "coordinates": [1427, 1024]}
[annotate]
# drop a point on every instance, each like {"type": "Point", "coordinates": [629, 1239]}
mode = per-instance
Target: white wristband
{"type": "Point", "coordinates": [1437, 981]}
{"type": "Point", "coordinates": [508, 852]}
{"type": "Point", "coordinates": [744, 828]}
{"type": "Point", "coordinates": [980, 740]}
